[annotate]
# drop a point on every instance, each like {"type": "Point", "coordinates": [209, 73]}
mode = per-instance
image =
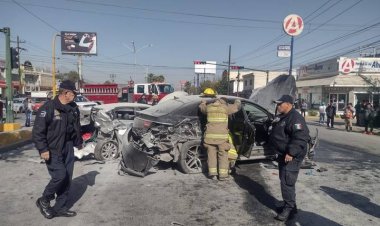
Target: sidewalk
{"type": "Point", "coordinates": [14, 139]}
{"type": "Point", "coordinates": [339, 125]}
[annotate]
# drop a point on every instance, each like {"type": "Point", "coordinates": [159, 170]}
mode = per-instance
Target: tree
{"type": "Point", "coordinates": [71, 75]}
{"type": "Point", "coordinates": [155, 78]}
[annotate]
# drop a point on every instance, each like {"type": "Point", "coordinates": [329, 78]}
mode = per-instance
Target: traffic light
{"type": "Point", "coordinates": [15, 57]}
{"type": "Point", "coordinates": [199, 62]}
{"type": "Point", "coordinates": [237, 67]}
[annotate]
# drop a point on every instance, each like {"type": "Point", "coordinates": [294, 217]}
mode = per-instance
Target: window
{"type": "Point", "coordinates": [165, 88]}
{"type": "Point", "coordinates": [250, 82]}
{"type": "Point", "coordinates": [254, 113]}
{"type": "Point", "coordinates": [140, 89]}
{"type": "Point", "coordinates": [245, 82]}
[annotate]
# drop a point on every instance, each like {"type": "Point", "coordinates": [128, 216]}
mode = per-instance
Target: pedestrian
{"type": "Point", "coordinates": [369, 117]}
{"type": "Point", "coordinates": [358, 112]}
{"type": "Point", "coordinates": [348, 116]}
{"type": "Point", "coordinates": [303, 108]}
{"type": "Point", "coordinates": [56, 132]}
{"type": "Point", "coordinates": [216, 135]}
{"type": "Point", "coordinates": [330, 113]}
{"type": "Point", "coordinates": [142, 99]}
{"type": "Point", "coordinates": [289, 137]}
{"type": "Point", "coordinates": [322, 113]}
{"type": "Point", "coordinates": [154, 99]}
{"type": "Point", "coordinates": [28, 112]}
{"type": "Point", "coordinates": [1, 111]}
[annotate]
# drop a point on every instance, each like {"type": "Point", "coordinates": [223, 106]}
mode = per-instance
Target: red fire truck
{"type": "Point", "coordinates": [150, 89]}
{"type": "Point", "coordinates": [106, 93]}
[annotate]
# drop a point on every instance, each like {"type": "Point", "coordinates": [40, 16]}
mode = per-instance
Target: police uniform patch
{"type": "Point", "coordinates": [42, 114]}
{"type": "Point", "coordinates": [57, 115]}
{"type": "Point", "coordinates": [297, 126]}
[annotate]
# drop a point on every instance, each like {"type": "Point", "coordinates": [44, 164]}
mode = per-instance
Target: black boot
{"type": "Point", "coordinates": [45, 208]}
{"type": "Point", "coordinates": [286, 213]}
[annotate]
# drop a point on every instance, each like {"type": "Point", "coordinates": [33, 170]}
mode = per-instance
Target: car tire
{"type": "Point", "coordinates": [192, 157]}
{"type": "Point", "coordinates": [106, 150]}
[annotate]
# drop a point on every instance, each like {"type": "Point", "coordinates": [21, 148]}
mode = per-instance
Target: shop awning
{"type": "Point", "coordinates": [316, 82]}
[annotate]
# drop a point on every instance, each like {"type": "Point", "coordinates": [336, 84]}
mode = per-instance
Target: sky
{"type": "Point", "coordinates": [170, 34]}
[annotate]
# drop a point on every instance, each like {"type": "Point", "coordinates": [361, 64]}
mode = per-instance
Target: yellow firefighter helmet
{"type": "Point", "coordinates": [209, 92]}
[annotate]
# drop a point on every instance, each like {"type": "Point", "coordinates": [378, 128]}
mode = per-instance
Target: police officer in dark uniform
{"type": "Point", "coordinates": [289, 137]}
{"type": "Point", "coordinates": [56, 131]}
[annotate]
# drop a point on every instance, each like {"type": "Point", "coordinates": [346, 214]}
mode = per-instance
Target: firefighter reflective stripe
{"type": "Point", "coordinates": [209, 119]}
{"type": "Point", "coordinates": [216, 136]}
{"type": "Point", "coordinates": [223, 172]}
{"type": "Point", "coordinates": [212, 170]}
{"type": "Point", "coordinates": [232, 154]}
{"type": "Point", "coordinates": [217, 117]}
{"type": "Point", "coordinates": [217, 113]}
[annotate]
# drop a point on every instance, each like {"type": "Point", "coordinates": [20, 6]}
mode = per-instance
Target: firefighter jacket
{"type": "Point", "coordinates": [55, 124]}
{"type": "Point", "coordinates": [290, 134]}
{"type": "Point", "coordinates": [217, 120]}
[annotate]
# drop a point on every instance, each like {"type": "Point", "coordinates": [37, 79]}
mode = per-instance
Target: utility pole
{"type": "Point", "coordinates": [80, 79]}
{"type": "Point", "coordinates": [21, 89]}
{"type": "Point", "coordinates": [228, 72]}
{"type": "Point", "coordinates": [112, 77]}
{"type": "Point", "coordinates": [8, 74]}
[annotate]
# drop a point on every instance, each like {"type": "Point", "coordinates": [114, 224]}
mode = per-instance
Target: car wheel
{"type": "Point", "coordinates": [193, 157]}
{"type": "Point", "coordinates": [106, 150]}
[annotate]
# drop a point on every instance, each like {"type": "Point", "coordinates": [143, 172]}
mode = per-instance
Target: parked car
{"type": "Point", "coordinates": [172, 131]}
{"type": "Point", "coordinates": [37, 102]}
{"type": "Point", "coordinates": [84, 105]}
{"type": "Point", "coordinates": [19, 104]}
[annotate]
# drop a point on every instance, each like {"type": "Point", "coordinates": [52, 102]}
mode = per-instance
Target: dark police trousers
{"type": "Point", "coordinates": [60, 167]}
{"type": "Point", "coordinates": [288, 173]}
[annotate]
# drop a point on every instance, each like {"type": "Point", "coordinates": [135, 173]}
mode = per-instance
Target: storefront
{"type": "Point", "coordinates": [340, 80]}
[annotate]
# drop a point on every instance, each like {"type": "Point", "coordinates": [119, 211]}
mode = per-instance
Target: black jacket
{"type": "Point", "coordinates": [290, 135]}
{"type": "Point", "coordinates": [55, 124]}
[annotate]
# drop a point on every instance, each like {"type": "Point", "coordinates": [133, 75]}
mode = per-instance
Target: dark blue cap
{"type": "Point", "coordinates": [68, 85]}
{"type": "Point", "coordinates": [285, 98]}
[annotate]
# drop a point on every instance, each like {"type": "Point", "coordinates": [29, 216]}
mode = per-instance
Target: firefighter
{"type": "Point", "coordinates": [232, 155]}
{"type": "Point", "coordinates": [216, 134]}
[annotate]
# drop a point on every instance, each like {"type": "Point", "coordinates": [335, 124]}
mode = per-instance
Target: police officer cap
{"type": "Point", "coordinates": [68, 85]}
{"type": "Point", "coordinates": [285, 98]}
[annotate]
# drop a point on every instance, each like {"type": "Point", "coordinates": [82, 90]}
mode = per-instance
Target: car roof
{"type": "Point", "coordinates": [108, 107]}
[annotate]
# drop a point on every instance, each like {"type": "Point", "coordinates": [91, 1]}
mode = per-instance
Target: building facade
{"type": "Point", "coordinates": [245, 81]}
{"type": "Point", "coordinates": [341, 80]}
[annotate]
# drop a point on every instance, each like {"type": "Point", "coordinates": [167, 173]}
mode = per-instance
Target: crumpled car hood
{"type": "Point", "coordinates": [264, 96]}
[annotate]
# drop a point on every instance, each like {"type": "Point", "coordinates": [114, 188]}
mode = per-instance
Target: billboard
{"type": "Point", "coordinates": [73, 42]}
{"type": "Point", "coordinates": [205, 67]}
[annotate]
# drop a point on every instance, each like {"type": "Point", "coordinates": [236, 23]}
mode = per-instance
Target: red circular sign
{"type": "Point", "coordinates": [293, 25]}
{"type": "Point", "coordinates": [347, 66]}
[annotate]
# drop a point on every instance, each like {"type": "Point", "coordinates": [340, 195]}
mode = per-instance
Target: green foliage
{"type": "Point", "coordinates": [155, 78]}
{"type": "Point", "coordinates": [312, 113]}
{"type": "Point", "coordinates": [72, 75]}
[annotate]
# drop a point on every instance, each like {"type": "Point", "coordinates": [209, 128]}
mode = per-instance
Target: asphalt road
{"type": "Point", "coordinates": [345, 194]}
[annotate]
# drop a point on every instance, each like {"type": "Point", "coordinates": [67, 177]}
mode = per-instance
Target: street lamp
{"type": "Point", "coordinates": [135, 51]}
{"type": "Point", "coordinates": [53, 65]}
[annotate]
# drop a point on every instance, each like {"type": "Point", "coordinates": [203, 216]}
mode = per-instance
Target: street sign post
{"type": "Point", "coordinates": [293, 26]}
{"type": "Point", "coordinates": [283, 51]}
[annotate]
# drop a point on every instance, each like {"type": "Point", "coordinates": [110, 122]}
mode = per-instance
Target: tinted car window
{"type": "Point", "coordinates": [254, 113]}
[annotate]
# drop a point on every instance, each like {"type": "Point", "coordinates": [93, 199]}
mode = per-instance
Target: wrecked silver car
{"type": "Point", "coordinates": [172, 131]}
{"type": "Point", "coordinates": [104, 133]}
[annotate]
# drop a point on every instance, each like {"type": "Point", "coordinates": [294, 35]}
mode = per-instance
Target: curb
{"type": "Point", "coordinates": [13, 140]}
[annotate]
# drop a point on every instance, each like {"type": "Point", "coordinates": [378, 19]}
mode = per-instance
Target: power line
{"type": "Point", "coordinates": [283, 35]}
{"type": "Point", "coordinates": [34, 15]}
